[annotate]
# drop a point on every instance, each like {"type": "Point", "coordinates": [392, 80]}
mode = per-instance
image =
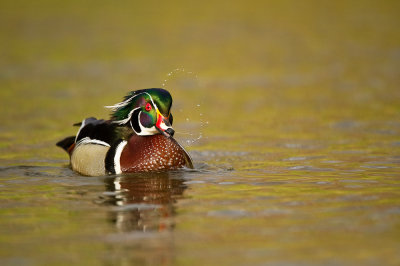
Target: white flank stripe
{"type": "Point", "coordinates": [87, 140]}
{"type": "Point", "coordinates": [117, 157]}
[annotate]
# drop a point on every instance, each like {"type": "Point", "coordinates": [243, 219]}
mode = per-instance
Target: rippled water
{"type": "Point", "coordinates": [290, 112]}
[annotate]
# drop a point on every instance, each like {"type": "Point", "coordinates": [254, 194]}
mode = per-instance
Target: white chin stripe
{"type": "Point", "coordinates": [147, 131]}
{"type": "Point", "coordinates": [117, 157]}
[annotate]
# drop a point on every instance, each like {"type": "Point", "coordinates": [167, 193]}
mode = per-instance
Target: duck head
{"type": "Point", "coordinates": [147, 112]}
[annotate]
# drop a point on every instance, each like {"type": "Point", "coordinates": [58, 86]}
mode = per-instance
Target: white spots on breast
{"type": "Point", "coordinates": [161, 153]}
{"type": "Point", "coordinates": [158, 153]}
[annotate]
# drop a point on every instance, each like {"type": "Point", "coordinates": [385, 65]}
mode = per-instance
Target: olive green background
{"type": "Point", "coordinates": [290, 110]}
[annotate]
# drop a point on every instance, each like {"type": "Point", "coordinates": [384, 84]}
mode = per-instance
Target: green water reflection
{"type": "Point", "coordinates": [289, 109]}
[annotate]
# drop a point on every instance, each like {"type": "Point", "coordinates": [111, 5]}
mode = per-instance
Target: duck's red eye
{"type": "Point", "coordinates": [148, 107]}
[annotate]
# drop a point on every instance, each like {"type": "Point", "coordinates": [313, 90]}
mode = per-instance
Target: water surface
{"type": "Point", "coordinates": [289, 110]}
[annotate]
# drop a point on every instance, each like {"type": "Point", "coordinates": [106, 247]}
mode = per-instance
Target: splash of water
{"type": "Point", "coordinates": [202, 126]}
{"type": "Point", "coordinates": [172, 75]}
{"type": "Point", "coordinates": [192, 137]}
{"type": "Point", "coordinates": [195, 137]}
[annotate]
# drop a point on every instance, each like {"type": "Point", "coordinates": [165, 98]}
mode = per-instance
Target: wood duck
{"type": "Point", "coordinates": [137, 138]}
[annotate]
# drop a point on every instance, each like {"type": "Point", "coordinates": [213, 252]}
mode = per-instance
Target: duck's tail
{"type": "Point", "coordinates": [67, 144]}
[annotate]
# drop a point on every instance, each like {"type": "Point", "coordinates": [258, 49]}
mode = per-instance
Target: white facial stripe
{"type": "Point", "coordinates": [145, 131]}
{"type": "Point", "coordinates": [79, 131]}
{"type": "Point", "coordinates": [124, 121]}
{"type": "Point", "coordinates": [117, 157]}
{"type": "Point", "coordinates": [126, 102]}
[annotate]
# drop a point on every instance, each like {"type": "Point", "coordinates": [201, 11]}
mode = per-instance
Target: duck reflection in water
{"type": "Point", "coordinates": [145, 201]}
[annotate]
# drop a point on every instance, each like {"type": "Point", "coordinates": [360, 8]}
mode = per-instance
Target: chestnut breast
{"type": "Point", "coordinates": [153, 153]}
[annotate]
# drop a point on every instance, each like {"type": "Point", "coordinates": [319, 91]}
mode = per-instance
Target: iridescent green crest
{"type": "Point", "coordinates": [137, 100]}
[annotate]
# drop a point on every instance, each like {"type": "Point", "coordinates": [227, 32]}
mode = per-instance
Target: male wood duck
{"type": "Point", "coordinates": [137, 138]}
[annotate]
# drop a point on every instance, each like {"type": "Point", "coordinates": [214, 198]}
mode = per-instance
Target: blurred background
{"type": "Point", "coordinates": [300, 93]}
{"type": "Point", "coordinates": [254, 65]}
